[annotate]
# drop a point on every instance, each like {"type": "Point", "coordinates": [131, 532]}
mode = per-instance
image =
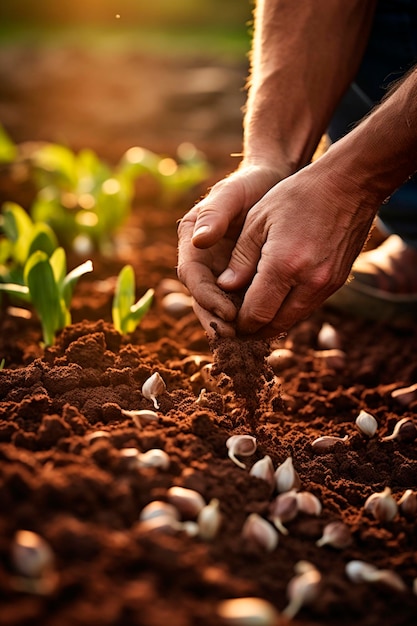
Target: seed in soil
{"type": "Point", "coordinates": [257, 530]}
{"type": "Point", "coordinates": [240, 445]}
{"type": "Point", "coordinates": [153, 387]}
{"type": "Point", "coordinates": [303, 589]}
{"type": "Point", "coordinates": [335, 534]}
{"type": "Point", "coordinates": [366, 424]}
{"type": "Point", "coordinates": [286, 477]}
{"type": "Point", "coordinates": [382, 505]}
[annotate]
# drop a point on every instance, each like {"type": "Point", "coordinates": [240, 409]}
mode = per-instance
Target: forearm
{"type": "Point", "coordinates": [380, 154]}
{"type": "Point", "coordinates": [304, 56]}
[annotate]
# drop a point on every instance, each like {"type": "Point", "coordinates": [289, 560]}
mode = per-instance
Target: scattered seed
{"type": "Point", "coordinates": [160, 523]}
{"type": "Point", "coordinates": [247, 612]}
{"type": "Point", "coordinates": [408, 504]}
{"type": "Point", "coordinates": [382, 505]}
{"type": "Point", "coordinates": [283, 509]}
{"type": "Point", "coordinates": [209, 520]}
{"type": "Point", "coordinates": [158, 508]}
{"type": "Point", "coordinates": [154, 458]}
{"type": "Point", "coordinates": [328, 337]}
{"type": "Point", "coordinates": [334, 357]}
{"type": "Point", "coordinates": [405, 395]}
{"type": "Point", "coordinates": [366, 423]}
{"type": "Point", "coordinates": [177, 304]}
{"type": "Point", "coordinates": [96, 435]}
{"type": "Point", "coordinates": [153, 387]}
{"type": "Point", "coordinates": [264, 469]}
{"type": "Point", "coordinates": [286, 477]}
{"type": "Point", "coordinates": [335, 534]}
{"type": "Point", "coordinates": [188, 502]}
{"type": "Point", "coordinates": [404, 430]}
{"type": "Point", "coordinates": [31, 555]}
{"type": "Point", "coordinates": [190, 528]}
{"type": "Point", "coordinates": [323, 445]}
{"type": "Point", "coordinates": [303, 589]}
{"type": "Point", "coordinates": [141, 417]}
{"type": "Point", "coordinates": [240, 445]}
{"type": "Point", "coordinates": [258, 530]}
{"type": "Point", "coordinates": [308, 503]}
{"type": "Point", "coordinates": [280, 359]}
{"type": "Point", "coordinates": [359, 571]}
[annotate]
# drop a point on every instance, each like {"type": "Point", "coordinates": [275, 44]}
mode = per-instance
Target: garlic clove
{"type": "Point", "coordinates": [188, 502]}
{"type": "Point", "coordinates": [328, 337]}
{"type": "Point", "coordinates": [142, 417]}
{"type": "Point", "coordinates": [335, 534]}
{"type": "Point", "coordinates": [301, 590]}
{"type": "Point", "coordinates": [154, 458]}
{"type": "Point", "coordinates": [324, 444]}
{"type": "Point", "coordinates": [286, 477]}
{"type": "Point", "coordinates": [308, 503]}
{"type": "Point", "coordinates": [264, 469]}
{"type": "Point", "coordinates": [160, 523]}
{"type": "Point", "coordinates": [209, 520]}
{"type": "Point", "coordinates": [247, 612]}
{"type": "Point", "coordinates": [280, 359]}
{"type": "Point", "coordinates": [240, 445]}
{"type": "Point", "coordinates": [283, 509]}
{"type": "Point", "coordinates": [366, 424]}
{"type": "Point", "coordinates": [153, 387]}
{"type": "Point", "coordinates": [258, 530]}
{"type": "Point", "coordinates": [359, 571]}
{"type": "Point", "coordinates": [408, 504]}
{"type": "Point", "coordinates": [404, 430]}
{"type": "Point", "coordinates": [31, 555]}
{"type": "Point", "coordinates": [190, 528]}
{"type": "Point", "coordinates": [382, 505]}
{"type": "Point", "coordinates": [177, 304]}
{"type": "Point", "coordinates": [158, 508]}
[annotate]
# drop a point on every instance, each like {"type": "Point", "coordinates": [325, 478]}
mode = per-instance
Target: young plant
{"type": "Point", "coordinates": [49, 289]}
{"type": "Point", "coordinates": [128, 314]}
{"type": "Point", "coordinates": [8, 150]}
{"type": "Point", "coordinates": [21, 237]}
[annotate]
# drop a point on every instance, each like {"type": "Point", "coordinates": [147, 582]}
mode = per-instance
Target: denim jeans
{"type": "Point", "coordinates": [391, 51]}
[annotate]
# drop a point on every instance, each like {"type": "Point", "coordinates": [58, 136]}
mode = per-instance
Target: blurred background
{"type": "Point", "coordinates": [110, 74]}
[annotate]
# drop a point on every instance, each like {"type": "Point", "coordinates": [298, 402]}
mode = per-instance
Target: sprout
{"type": "Point", "coordinates": [404, 430]}
{"type": "Point", "coordinates": [153, 387]}
{"type": "Point", "coordinates": [240, 445]}
{"type": "Point", "coordinates": [303, 589]}
{"type": "Point", "coordinates": [283, 509]}
{"type": "Point", "coordinates": [128, 314]}
{"type": "Point", "coordinates": [142, 417]}
{"type": "Point", "coordinates": [322, 445]}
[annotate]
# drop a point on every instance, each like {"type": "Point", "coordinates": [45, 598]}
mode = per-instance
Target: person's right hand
{"type": "Point", "coordinates": [207, 236]}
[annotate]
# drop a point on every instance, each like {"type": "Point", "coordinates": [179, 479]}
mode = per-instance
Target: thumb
{"type": "Point", "coordinates": [242, 265]}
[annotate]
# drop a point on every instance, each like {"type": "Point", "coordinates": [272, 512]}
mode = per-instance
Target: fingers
{"type": "Point", "coordinates": [213, 325]}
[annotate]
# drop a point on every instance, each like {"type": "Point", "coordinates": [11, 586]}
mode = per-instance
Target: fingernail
{"type": "Point", "coordinates": [226, 277]}
{"type": "Point", "coordinates": [202, 230]}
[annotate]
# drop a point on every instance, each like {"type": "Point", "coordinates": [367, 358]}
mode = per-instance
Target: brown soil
{"type": "Point", "coordinates": [84, 496]}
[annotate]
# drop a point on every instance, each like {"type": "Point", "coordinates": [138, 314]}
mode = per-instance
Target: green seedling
{"type": "Point", "coordinates": [2, 364]}
{"type": "Point", "coordinates": [20, 237]}
{"type": "Point", "coordinates": [128, 314]}
{"type": "Point", "coordinates": [80, 197]}
{"type": "Point", "coordinates": [49, 289]}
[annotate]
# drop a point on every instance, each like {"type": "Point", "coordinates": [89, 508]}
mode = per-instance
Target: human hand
{"type": "Point", "coordinates": [296, 248]}
{"type": "Point", "coordinates": [208, 234]}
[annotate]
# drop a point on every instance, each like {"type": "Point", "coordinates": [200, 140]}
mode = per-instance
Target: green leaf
{"type": "Point", "coordinates": [124, 297]}
{"type": "Point", "coordinates": [42, 238]}
{"type": "Point", "coordinates": [58, 263]}
{"type": "Point", "coordinates": [138, 311]}
{"type": "Point", "coordinates": [8, 150]}
{"type": "Point", "coordinates": [16, 222]}
{"type": "Point", "coordinates": [44, 294]}
{"type": "Point", "coordinates": [71, 278]}
{"type": "Point", "coordinates": [58, 162]}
